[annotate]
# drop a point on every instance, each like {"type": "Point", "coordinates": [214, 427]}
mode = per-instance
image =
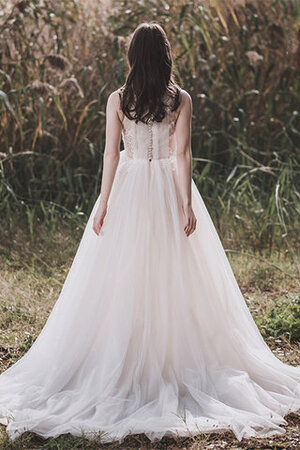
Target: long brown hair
{"type": "Point", "coordinates": [150, 79]}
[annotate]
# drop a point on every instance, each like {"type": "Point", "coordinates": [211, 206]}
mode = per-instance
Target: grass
{"type": "Point", "coordinates": [32, 274]}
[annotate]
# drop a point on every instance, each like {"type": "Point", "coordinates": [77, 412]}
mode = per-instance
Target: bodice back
{"type": "Point", "coordinates": [154, 140]}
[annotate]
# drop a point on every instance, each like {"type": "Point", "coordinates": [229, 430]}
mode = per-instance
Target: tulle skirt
{"type": "Point", "coordinates": [150, 333]}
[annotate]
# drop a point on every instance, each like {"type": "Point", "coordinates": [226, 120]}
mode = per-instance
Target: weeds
{"type": "Point", "coordinates": [282, 319]}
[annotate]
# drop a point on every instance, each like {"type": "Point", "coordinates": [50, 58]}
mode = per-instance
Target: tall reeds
{"type": "Point", "coordinates": [239, 61]}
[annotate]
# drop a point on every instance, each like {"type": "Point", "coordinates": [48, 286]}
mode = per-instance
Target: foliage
{"type": "Point", "coordinates": [282, 319]}
{"type": "Point", "coordinates": [239, 61]}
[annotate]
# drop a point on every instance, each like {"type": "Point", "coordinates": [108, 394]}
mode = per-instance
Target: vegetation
{"type": "Point", "coordinates": [283, 318]}
{"type": "Point", "coordinates": [240, 62]}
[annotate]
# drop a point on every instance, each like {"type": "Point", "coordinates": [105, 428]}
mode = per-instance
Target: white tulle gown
{"type": "Point", "coordinates": [150, 333]}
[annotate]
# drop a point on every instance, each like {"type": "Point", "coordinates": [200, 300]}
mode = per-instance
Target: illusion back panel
{"type": "Point", "coordinates": [154, 140]}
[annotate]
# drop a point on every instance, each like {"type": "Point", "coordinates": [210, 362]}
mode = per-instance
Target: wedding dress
{"type": "Point", "coordinates": [150, 333]}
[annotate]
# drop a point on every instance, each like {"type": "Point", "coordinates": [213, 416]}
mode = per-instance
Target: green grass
{"type": "Point", "coordinates": [32, 274]}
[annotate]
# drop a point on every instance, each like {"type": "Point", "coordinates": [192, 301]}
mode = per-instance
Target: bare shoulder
{"type": "Point", "coordinates": [186, 99]}
{"type": "Point", "coordinates": [113, 98]}
{"type": "Point", "coordinates": [114, 103]}
{"type": "Point", "coordinates": [185, 105]}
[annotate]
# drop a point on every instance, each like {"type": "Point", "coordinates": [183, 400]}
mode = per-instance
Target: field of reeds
{"type": "Point", "coordinates": [240, 62]}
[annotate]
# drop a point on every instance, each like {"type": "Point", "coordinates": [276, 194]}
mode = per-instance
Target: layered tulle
{"type": "Point", "coordinates": [150, 333]}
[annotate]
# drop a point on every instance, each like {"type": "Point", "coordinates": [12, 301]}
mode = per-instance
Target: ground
{"type": "Point", "coordinates": [32, 274]}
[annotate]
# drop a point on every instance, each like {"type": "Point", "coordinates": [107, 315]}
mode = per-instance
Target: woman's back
{"type": "Point", "coordinates": [150, 141]}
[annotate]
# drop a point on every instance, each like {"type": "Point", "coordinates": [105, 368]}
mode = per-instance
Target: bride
{"type": "Point", "coordinates": [150, 333]}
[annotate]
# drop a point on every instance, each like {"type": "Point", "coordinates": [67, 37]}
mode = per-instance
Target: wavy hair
{"type": "Point", "coordinates": [150, 87]}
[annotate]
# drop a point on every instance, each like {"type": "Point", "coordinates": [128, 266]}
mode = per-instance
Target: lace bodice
{"type": "Point", "coordinates": [155, 140]}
